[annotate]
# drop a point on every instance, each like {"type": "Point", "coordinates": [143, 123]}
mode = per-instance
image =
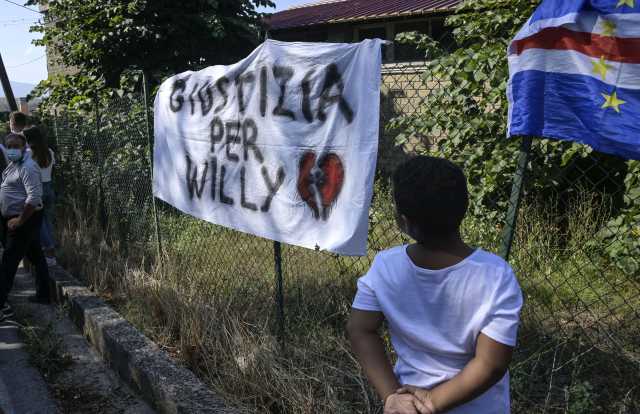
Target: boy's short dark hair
{"type": "Point", "coordinates": [432, 193]}
{"type": "Point", "coordinates": [18, 118]}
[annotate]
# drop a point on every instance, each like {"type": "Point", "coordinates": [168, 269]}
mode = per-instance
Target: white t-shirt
{"type": "Point", "coordinates": [435, 317]}
{"type": "Point", "coordinates": [47, 171]}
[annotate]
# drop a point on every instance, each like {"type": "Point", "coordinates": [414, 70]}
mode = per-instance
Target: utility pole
{"type": "Point", "coordinates": [6, 86]}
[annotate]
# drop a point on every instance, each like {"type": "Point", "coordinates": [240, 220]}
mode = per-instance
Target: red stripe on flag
{"type": "Point", "coordinates": [615, 49]}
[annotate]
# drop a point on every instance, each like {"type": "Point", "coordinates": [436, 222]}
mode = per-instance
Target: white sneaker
{"type": "Point", "coordinates": [51, 261]}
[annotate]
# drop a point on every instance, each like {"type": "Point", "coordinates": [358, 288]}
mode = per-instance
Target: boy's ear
{"type": "Point", "coordinates": [403, 223]}
{"type": "Point", "coordinates": [408, 228]}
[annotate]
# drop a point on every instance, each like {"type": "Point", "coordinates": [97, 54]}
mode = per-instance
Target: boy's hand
{"type": "Point", "coordinates": [487, 367]}
{"type": "Point", "coordinates": [422, 395]}
{"type": "Point", "coordinates": [404, 404]}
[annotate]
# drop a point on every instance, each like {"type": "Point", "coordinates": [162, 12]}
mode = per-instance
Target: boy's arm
{"type": "Point", "coordinates": [368, 346]}
{"type": "Point", "coordinates": [489, 366]}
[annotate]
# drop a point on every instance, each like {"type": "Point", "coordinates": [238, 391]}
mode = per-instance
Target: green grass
{"type": "Point", "coordinates": [211, 303]}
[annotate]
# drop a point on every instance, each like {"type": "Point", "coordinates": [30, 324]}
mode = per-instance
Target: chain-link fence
{"type": "Point", "coordinates": [575, 250]}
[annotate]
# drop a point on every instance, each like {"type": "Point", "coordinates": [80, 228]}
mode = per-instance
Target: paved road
{"type": "Point", "coordinates": [22, 388]}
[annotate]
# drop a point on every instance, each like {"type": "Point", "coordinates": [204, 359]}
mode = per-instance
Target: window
{"type": "Point", "coordinates": [379, 32]}
{"type": "Point", "coordinates": [442, 34]}
{"type": "Point", "coordinates": [372, 33]}
{"type": "Point", "coordinates": [319, 36]}
{"type": "Point", "coordinates": [302, 36]}
{"type": "Point", "coordinates": [408, 53]}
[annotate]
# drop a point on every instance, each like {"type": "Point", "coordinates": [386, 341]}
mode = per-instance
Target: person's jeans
{"type": "Point", "coordinates": [46, 231]}
{"type": "Point", "coordinates": [24, 241]}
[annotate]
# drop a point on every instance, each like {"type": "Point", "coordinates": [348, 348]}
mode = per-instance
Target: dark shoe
{"type": "Point", "coordinates": [41, 301]}
{"type": "Point", "coordinates": [7, 311]}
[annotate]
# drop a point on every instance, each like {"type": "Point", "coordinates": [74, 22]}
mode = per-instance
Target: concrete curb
{"type": "Point", "coordinates": [167, 387]}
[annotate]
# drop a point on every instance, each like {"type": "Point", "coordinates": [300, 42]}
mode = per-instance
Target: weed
{"type": "Point", "coordinates": [211, 304]}
{"type": "Point", "coordinates": [580, 398]}
{"type": "Point", "coordinates": [75, 399]}
{"type": "Point", "coordinates": [46, 350]}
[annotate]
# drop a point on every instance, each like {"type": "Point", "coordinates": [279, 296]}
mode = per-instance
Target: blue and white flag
{"type": "Point", "coordinates": [575, 75]}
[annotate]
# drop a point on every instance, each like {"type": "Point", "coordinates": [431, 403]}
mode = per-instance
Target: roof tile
{"type": "Point", "coordinates": [351, 10]}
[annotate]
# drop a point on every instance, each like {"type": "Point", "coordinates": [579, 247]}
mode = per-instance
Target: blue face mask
{"type": "Point", "coordinates": [15, 154]}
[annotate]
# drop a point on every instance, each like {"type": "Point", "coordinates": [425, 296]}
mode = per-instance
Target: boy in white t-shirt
{"type": "Point", "coordinates": [452, 311]}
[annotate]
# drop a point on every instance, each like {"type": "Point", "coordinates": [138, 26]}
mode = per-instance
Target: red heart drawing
{"type": "Point", "coordinates": [320, 182]}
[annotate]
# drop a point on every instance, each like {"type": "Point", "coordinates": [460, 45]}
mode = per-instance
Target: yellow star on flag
{"type": "Point", "coordinates": [601, 68]}
{"type": "Point", "coordinates": [630, 3]}
{"type": "Point", "coordinates": [608, 28]}
{"type": "Point", "coordinates": [612, 101]}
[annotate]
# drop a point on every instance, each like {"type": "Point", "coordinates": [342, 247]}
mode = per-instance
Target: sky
{"type": "Point", "coordinates": [285, 4]}
{"type": "Point", "coordinates": [26, 62]}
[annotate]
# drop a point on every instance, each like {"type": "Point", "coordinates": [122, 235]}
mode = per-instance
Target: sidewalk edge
{"type": "Point", "coordinates": [166, 386]}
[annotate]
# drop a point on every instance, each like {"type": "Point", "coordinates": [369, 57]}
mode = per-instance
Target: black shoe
{"type": "Point", "coordinates": [7, 311]}
{"type": "Point", "coordinates": [41, 301]}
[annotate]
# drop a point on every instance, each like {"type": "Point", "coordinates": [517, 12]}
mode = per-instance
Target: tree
{"type": "Point", "coordinates": [104, 41]}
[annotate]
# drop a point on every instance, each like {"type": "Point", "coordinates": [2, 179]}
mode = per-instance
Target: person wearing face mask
{"type": "Point", "coordinates": [17, 122]}
{"type": "Point", "coordinates": [21, 209]}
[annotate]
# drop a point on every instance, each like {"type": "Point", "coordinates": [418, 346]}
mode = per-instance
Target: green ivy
{"type": "Point", "coordinates": [465, 120]}
{"type": "Point", "coordinates": [622, 233]}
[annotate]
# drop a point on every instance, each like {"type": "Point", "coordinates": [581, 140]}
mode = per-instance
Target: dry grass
{"type": "Point", "coordinates": [211, 304]}
{"type": "Point", "coordinates": [222, 328]}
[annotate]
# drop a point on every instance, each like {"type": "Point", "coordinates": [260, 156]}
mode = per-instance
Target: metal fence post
{"type": "Point", "coordinates": [514, 200]}
{"type": "Point", "coordinates": [146, 85]}
{"type": "Point", "coordinates": [73, 157]}
{"type": "Point", "coordinates": [101, 210]}
{"type": "Point", "coordinates": [57, 147]}
{"type": "Point", "coordinates": [277, 251]}
{"type": "Point", "coordinates": [55, 128]}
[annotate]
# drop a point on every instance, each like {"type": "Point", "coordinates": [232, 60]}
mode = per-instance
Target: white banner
{"type": "Point", "coordinates": [281, 145]}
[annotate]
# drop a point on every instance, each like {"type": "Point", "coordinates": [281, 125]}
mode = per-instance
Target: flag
{"type": "Point", "coordinates": [575, 75]}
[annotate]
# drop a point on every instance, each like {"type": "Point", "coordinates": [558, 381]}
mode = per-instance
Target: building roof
{"type": "Point", "coordinates": [338, 11]}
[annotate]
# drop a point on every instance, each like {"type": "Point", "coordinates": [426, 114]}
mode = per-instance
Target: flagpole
{"type": "Point", "coordinates": [516, 196]}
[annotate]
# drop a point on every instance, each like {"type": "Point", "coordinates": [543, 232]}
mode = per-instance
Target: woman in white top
{"type": "Point", "coordinates": [45, 158]}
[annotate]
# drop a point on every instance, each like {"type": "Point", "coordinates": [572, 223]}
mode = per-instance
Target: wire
{"type": "Point", "coordinates": [27, 63]}
{"type": "Point", "coordinates": [19, 24]}
{"type": "Point", "coordinates": [24, 7]}
{"type": "Point", "coordinates": [18, 20]}
{"type": "Point", "coordinates": [35, 11]}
